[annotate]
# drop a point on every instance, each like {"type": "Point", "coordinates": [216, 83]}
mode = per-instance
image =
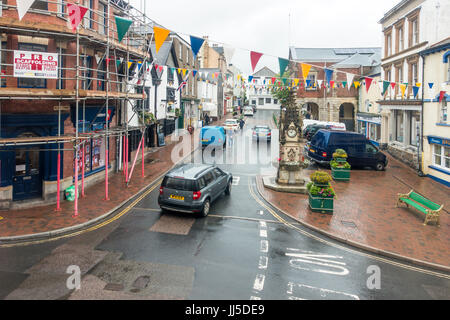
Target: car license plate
{"type": "Point", "coordinates": [262, 134]}
{"type": "Point", "coordinates": [177, 197]}
{"type": "Point", "coordinates": [204, 140]}
{"type": "Point", "coordinates": [312, 150]}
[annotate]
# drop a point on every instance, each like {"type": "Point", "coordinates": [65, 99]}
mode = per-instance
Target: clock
{"type": "Point", "coordinates": [292, 132]}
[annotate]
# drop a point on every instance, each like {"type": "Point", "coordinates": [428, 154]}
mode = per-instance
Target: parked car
{"type": "Point", "coordinates": [248, 111]}
{"type": "Point", "coordinates": [311, 130]}
{"type": "Point", "coordinates": [232, 124]}
{"type": "Point", "coordinates": [213, 135]}
{"type": "Point", "coordinates": [361, 151]}
{"type": "Point", "coordinates": [192, 188]}
{"type": "Point", "coordinates": [262, 133]}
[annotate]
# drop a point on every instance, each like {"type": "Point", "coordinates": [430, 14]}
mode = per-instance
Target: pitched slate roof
{"type": "Point", "coordinates": [328, 54]}
{"type": "Point", "coordinates": [264, 72]}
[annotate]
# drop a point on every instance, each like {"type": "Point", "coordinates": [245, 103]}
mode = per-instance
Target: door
{"type": "Point", "coordinates": [370, 155]}
{"type": "Point", "coordinates": [27, 179]}
{"type": "Point", "coordinates": [221, 180]}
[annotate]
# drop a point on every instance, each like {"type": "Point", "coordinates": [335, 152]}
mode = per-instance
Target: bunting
{"type": "Point", "coordinates": [305, 70]}
{"type": "Point", "coordinates": [385, 87]}
{"type": "Point", "coordinates": [254, 58]}
{"type": "Point", "coordinates": [196, 44]}
{"type": "Point", "coordinates": [329, 74]}
{"type": "Point", "coordinates": [402, 88]}
{"type": "Point", "coordinates": [23, 6]}
{"type": "Point", "coordinates": [160, 35]}
{"type": "Point", "coordinates": [283, 65]}
{"type": "Point", "coordinates": [357, 84]}
{"type": "Point", "coordinates": [76, 15]}
{"type": "Point", "coordinates": [368, 83]}
{"type": "Point", "coordinates": [122, 27]}
{"type": "Point", "coordinates": [415, 91]}
{"type": "Point", "coordinates": [441, 96]}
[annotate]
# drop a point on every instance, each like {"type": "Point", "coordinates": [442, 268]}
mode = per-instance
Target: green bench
{"type": "Point", "coordinates": [415, 200]}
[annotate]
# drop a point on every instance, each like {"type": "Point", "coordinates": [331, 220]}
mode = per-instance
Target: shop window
{"type": "Point", "coordinates": [415, 128]}
{"type": "Point", "coordinates": [441, 156]}
{"type": "Point", "coordinates": [399, 126]}
{"type": "Point", "coordinates": [94, 155]}
{"type": "Point", "coordinates": [254, 102]}
{"type": "Point", "coordinates": [362, 127]}
{"type": "Point", "coordinates": [32, 82]}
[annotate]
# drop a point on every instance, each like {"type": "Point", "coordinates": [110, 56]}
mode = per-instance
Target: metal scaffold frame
{"type": "Point", "coordinates": [117, 85]}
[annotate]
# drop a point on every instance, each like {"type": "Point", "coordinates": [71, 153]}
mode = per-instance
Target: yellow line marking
{"type": "Point", "coordinates": [437, 274]}
{"type": "Point", "coordinates": [98, 226]}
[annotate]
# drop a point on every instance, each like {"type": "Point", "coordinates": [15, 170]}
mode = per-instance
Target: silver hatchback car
{"type": "Point", "coordinates": [191, 188]}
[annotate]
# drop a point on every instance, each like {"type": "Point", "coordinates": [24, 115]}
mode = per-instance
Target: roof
{"type": "Point", "coordinates": [329, 54]}
{"type": "Point", "coordinates": [163, 53]}
{"type": "Point", "coordinates": [359, 59]}
{"type": "Point", "coordinates": [264, 72]}
{"type": "Point", "coordinates": [219, 50]}
{"type": "Point", "coordinates": [438, 46]}
{"type": "Point", "coordinates": [395, 9]}
{"type": "Point", "coordinates": [189, 170]}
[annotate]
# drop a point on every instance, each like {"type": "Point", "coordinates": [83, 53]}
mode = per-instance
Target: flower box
{"type": "Point", "coordinates": [340, 174]}
{"type": "Point", "coordinates": [321, 204]}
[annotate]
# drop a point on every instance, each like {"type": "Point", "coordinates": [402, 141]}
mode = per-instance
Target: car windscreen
{"type": "Point", "coordinates": [262, 128]}
{"type": "Point", "coordinates": [319, 140]}
{"type": "Point", "coordinates": [178, 184]}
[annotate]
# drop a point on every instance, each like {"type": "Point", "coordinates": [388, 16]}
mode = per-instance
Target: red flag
{"type": "Point", "coordinates": [76, 14]}
{"type": "Point", "coordinates": [393, 85]}
{"type": "Point", "coordinates": [331, 84]}
{"type": "Point", "coordinates": [368, 83]}
{"type": "Point", "coordinates": [273, 80]}
{"type": "Point", "coordinates": [441, 95]}
{"type": "Point", "coordinates": [254, 57]}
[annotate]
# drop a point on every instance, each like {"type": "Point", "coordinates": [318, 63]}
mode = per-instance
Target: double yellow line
{"type": "Point", "coordinates": [397, 264]}
{"type": "Point", "coordinates": [95, 227]}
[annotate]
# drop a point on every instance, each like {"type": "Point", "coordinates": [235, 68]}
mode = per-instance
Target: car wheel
{"type": "Point", "coordinates": [228, 189]}
{"type": "Point", "coordinates": [206, 208]}
{"type": "Point", "coordinates": [379, 166]}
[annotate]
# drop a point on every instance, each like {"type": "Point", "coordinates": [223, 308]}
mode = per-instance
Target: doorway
{"type": "Point", "coordinates": [347, 116]}
{"type": "Point", "coordinates": [27, 177]}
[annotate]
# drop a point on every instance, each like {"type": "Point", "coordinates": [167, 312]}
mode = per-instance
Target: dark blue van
{"type": "Point", "coordinates": [361, 151]}
{"type": "Point", "coordinates": [213, 135]}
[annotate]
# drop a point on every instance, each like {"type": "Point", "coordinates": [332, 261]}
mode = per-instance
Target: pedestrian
{"type": "Point", "coordinates": [207, 119]}
{"type": "Point", "coordinates": [241, 123]}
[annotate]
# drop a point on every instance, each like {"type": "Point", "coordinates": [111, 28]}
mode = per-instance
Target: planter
{"type": "Point", "coordinates": [340, 174]}
{"type": "Point", "coordinates": [340, 159]}
{"type": "Point", "coordinates": [321, 185]}
{"type": "Point", "coordinates": [322, 205]}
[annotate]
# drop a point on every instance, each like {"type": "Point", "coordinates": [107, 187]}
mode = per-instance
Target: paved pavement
{"type": "Point", "coordinates": [365, 214]}
{"type": "Point", "coordinates": [45, 222]}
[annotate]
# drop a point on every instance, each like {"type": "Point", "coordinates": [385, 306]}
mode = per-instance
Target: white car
{"type": "Point", "coordinates": [248, 111]}
{"type": "Point", "coordinates": [231, 124]}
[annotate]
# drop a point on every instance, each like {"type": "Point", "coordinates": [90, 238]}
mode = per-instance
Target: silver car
{"type": "Point", "coordinates": [191, 188]}
{"type": "Point", "coordinates": [262, 133]}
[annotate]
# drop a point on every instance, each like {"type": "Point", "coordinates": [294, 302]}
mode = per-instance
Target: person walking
{"type": "Point", "coordinates": [241, 124]}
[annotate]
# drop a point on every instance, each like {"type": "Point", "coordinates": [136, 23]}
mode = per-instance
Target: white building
{"type": "Point", "coordinates": [408, 28]}
{"type": "Point", "coordinates": [258, 91]}
{"type": "Point", "coordinates": [208, 93]}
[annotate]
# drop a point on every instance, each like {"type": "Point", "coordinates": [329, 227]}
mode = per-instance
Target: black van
{"type": "Point", "coordinates": [361, 151]}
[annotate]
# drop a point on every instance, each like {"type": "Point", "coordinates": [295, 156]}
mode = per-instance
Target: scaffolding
{"type": "Point", "coordinates": [118, 86]}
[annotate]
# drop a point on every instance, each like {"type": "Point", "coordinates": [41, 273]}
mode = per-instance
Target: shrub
{"type": "Point", "coordinates": [335, 165]}
{"type": "Point", "coordinates": [320, 177]}
{"type": "Point", "coordinates": [340, 153]}
{"type": "Point", "coordinates": [327, 192]}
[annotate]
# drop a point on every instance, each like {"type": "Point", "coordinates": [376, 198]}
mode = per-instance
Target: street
{"type": "Point", "coordinates": [243, 250]}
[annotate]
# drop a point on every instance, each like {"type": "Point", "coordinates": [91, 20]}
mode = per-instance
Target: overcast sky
{"type": "Point", "coordinates": [263, 25]}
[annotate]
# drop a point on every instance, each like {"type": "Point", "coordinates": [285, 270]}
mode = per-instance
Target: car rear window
{"type": "Point", "coordinates": [179, 184]}
{"type": "Point", "coordinates": [319, 140]}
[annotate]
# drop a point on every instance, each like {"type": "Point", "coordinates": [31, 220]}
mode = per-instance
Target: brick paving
{"type": "Point", "coordinates": [365, 212]}
{"type": "Point", "coordinates": [43, 219]}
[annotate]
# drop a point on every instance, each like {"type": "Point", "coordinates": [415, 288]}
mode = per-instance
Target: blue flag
{"type": "Point", "coordinates": [196, 44]}
{"type": "Point", "coordinates": [329, 74]}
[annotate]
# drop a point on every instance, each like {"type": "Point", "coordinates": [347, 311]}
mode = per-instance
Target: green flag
{"type": "Point", "coordinates": [385, 86]}
{"type": "Point", "coordinates": [122, 27]}
{"type": "Point", "coordinates": [283, 65]}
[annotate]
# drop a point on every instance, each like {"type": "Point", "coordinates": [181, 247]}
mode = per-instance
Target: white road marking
{"type": "Point", "coordinates": [317, 293]}
{"type": "Point", "coordinates": [263, 225]}
{"type": "Point", "coordinates": [255, 298]}
{"type": "Point", "coordinates": [261, 212]}
{"type": "Point", "coordinates": [264, 246]}
{"type": "Point", "coordinates": [263, 261]}
{"type": "Point", "coordinates": [330, 266]}
{"type": "Point", "coordinates": [236, 180]}
{"type": "Point", "coordinates": [259, 282]}
{"type": "Point", "coordinates": [263, 233]}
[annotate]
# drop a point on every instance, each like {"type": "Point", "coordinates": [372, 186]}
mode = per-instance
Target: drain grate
{"type": "Point", "coordinates": [349, 224]}
{"type": "Point", "coordinates": [114, 287]}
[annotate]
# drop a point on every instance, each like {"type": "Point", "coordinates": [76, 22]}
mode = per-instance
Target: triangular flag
{"type": "Point", "coordinates": [344, 84]}
{"type": "Point", "coordinates": [273, 79]}
{"type": "Point", "coordinates": [254, 58]}
{"type": "Point", "coordinates": [184, 72]}
{"type": "Point", "coordinates": [97, 58]}
{"type": "Point", "coordinates": [160, 35]}
{"type": "Point", "coordinates": [305, 70]}
{"type": "Point", "coordinates": [118, 63]}
{"type": "Point", "coordinates": [283, 65]}
{"type": "Point", "coordinates": [329, 74]}
{"type": "Point", "coordinates": [431, 84]}
{"type": "Point", "coordinates": [368, 83]}
{"type": "Point", "coordinates": [76, 14]}
{"type": "Point", "coordinates": [356, 84]}
{"type": "Point", "coordinates": [441, 96]}
{"type": "Point", "coordinates": [385, 87]}
{"type": "Point", "coordinates": [331, 84]}
{"type": "Point", "coordinates": [194, 72]}
{"type": "Point", "coordinates": [308, 83]}
{"type": "Point", "coordinates": [196, 44]}
{"type": "Point", "coordinates": [402, 88]}
{"type": "Point", "coordinates": [296, 81]}
{"type": "Point", "coordinates": [23, 6]}
{"type": "Point", "coordinates": [130, 63]}
{"type": "Point", "coordinates": [415, 91]}
{"type": "Point", "coordinates": [393, 85]}
{"type": "Point", "coordinates": [228, 52]}
{"type": "Point", "coordinates": [350, 77]}
{"type": "Point", "coordinates": [250, 78]}
{"type": "Point", "coordinates": [319, 83]}
{"type": "Point", "coordinates": [122, 27]}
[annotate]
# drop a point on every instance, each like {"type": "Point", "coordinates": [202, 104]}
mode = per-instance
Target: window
{"type": "Point", "coordinates": [448, 70]}
{"type": "Point", "coordinates": [415, 32]}
{"type": "Point", "coordinates": [311, 79]}
{"type": "Point", "coordinates": [370, 148]}
{"type": "Point", "coordinates": [443, 112]}
{"type": "Point", "coordinates": [40, 5]}
{"type": "Point", "coordinates": [32, 82]}
{"type": "Point", "coordinates": [441, 156]}
{"type": "Point", "coordinates": [88, 16]}
{"type": "Point", "coordinates": [201, 183]}
{"type": "Point", "coordinates": [367, 103]}
{"type": "Point", "coordinates": [275, 101]}
{"type": "Point", "coordinates": [261, 101]}
{"type": "Point", "coordinates": [218, 172]}
{"type": "Point", "coordinates": [3, 64]}
{"type": "Point", "coordinates": [400, 39]}
{"type": "Point", "coordinates": [415, 128]}
{"type": "Point", "coordinates": [60, 84]}
{"type": "Point", "coordinates": [254, 102]}
{"type": "Point", "coordinates": [102, 18]}
{"type": "Point", "coordinates": [399, 125]}
{"type": "Point", "coordinates": [268, 100]}
{"type": "Point", "coordinates": [388, 45]}
{"type": "Point", "coordinates": [87, 66]}
{"type": "Point", "coordinates": [61, 8]}
{"type": "Point", "coordinates": [209, 178]}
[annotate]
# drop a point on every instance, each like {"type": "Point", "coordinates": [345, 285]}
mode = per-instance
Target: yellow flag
{"type": "Point", "coordinates": [357, 84]}
{"type": "Point", "coordinates": [130, 64]}
{"type": "Point", "coordinates": [179, 70]}
{"type": "Point", "coordinates": [160, 36]}
{"type": "Point", "coordinates": [418, 84]}
{"type": "Point", "coordinates": [402, 89]}
{"type": "Point", "coordinates": [305, 70]}
{"type": "Point", "coordinates": [184, 72]}
{"type": "Point", "coordinates": [296, 81]}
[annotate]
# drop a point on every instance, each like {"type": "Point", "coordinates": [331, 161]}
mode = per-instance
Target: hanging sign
{"type": "Point", "coordinates": [30, 64]}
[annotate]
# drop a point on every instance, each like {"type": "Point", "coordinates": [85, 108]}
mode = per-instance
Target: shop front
{"type": "Point", "coordinates": [437, 159]}
{"type": "Point", "coordinates": [370, 126]}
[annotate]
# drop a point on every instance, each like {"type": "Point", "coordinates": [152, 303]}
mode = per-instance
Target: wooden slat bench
{"type": "Point", "coordinates": [415, 200]}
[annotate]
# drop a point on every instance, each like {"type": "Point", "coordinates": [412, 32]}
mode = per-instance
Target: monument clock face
{"type": "Point", "coordinates": [292, 132]}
